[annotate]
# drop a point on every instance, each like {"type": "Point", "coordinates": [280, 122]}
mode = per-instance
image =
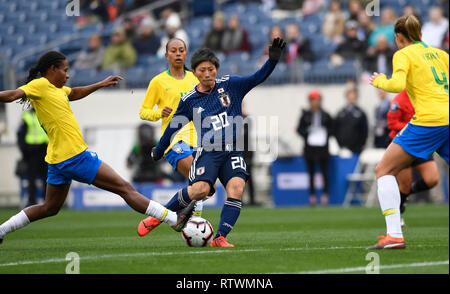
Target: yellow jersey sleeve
{"type": "Point", "coordinates": [67, 90]}
{"type": "Point", "coordinates": [152, 98]}
{"type": "Point", "coordinates": [33, 88]}
{"type": "Point", "coordinates": [397, 83]}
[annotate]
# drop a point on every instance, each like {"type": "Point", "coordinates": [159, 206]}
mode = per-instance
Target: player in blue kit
{"type": "Point", "coordinates": [215, 107]}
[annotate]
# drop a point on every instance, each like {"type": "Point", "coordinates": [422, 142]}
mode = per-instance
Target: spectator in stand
{"type": "Point", "coordinates": [352, 47]}
{"type": "Point", "coordinates": [119, 53]}
{"type": "Point", "coordinates": [275, 32]}
{"type": "Point", "coordinates": [297, 47]}
{"type": "Point", "coordinates": [214, 37]}
{"type": "Point", "coordinates": [173, 30]}
{"type": "Point", "coordinates": [410, 10]}
{"type": "Point", "coordinates": [235, 38]}
{"type": "Point", "coordinates": [315, 127]}
{"type": "Point", "coordinates": [312, 6]}
{"type": "Point", "coordinates": [129, 28]}
{"type": "Point", "coordinates": [386, 27]}
{"type": "Point", "coordinates": [91, 57]}
{"type": "Point", "coordinates": [99, 8]}
{"type": "Point", "coordinates": [334, 23]}
{"type": "Point", "coordinates": [351, 128]}
{"type": "Point", "coordinates": [379, 57]}
{"type": "Point", "coordinates": [354, 9]}
{"type": "Point", "coordinates": [147, 42]}
{"type": "Point", "coordinates": [382, 139]}
{"type": "Point", "coordinates": [434, 30]}
{"type": "Point", "coordinates": [365, 26]}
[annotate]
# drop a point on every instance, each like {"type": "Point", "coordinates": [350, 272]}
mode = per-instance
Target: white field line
{"type": "Point", "coordinates": [150, 254]}
{"type": "Point", "coordinates": [363, 268]}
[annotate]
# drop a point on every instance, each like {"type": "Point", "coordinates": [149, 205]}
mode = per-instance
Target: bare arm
{"type": "Point", "coordinates": [11, 95]}
{"type": "Point", "coordinates": [81, 92]}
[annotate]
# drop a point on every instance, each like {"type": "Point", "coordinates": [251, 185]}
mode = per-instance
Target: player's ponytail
{"type": "Point", "coordinates": [409, 26]}
{"type": "Point", "coordinates": [49, 59]}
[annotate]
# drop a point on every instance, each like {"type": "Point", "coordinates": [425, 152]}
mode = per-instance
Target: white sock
{"type": "Point", "coordinates": [16, 222]}
{"type": "Point", "coordinates": [198, 209]}
{"type": "Point", "coordinates": [158, 211]}
{"type": "Point", "coordinates": [389, 197]}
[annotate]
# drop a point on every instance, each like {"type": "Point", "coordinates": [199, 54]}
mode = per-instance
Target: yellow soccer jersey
{"type": "Point", "coordinates": [56, 117]}
{"type": "Point", "coordinates": [165, 90]}
{"type": "Point", "coordinates": [423, 71]}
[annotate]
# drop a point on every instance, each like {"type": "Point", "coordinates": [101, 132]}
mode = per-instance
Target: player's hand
{"type": "Point", "coordinates": [166, 111]}
{"type": "Point", "coordinates": [111, 81]}
{"type": "Point", "coordinates": [373, 77]}
{"type": "Point", "coordinates": [154, 155]}
{"type": "Point", "coordinates": [276, 49]}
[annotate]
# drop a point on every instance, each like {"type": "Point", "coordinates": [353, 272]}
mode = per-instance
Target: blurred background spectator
{"type": "Point", "coordinates": [354, 9]}
{"type": "Point", "coordinates": [351, 47]}
{"type": "Point", "coordinates": [297, 46]}
{"type": "Point", "coordinates": [379, 57]}
{"type": "Point", "coordinates": [129, 27]}
{"type": "Point", "coordinates": [385, 27]}
{"type": "Point", "coordinates": [214, 37]}
{"type": "Point", "coordinates": [349, 121]}
{"type": "Point", "coordinates": [92, 56]}
{"type": "Point", "coordinates": [381, 138]}
{"type": "Point", "coordinates": [147, 41]}
{"type": "Point", "coordinates": [315, 127]}
{"type": "Point", "coordinates": [312, 6]}
{"type": "Point", "coordinates": [173, 29]}
{"type": "Point", "coordinates": [334, 22]}
{"type": "Point", "coordinates": [275, 32]}
{"type": "Point", "coordinates": [235, 38]}
{"type": "Point", "coordinates": [434, 30]}
{"type": "Point", "coordinates": [366, 25]}
{"type": "Point", "coordinates": [120, 53]}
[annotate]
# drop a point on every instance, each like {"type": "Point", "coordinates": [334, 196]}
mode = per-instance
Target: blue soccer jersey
{"type": "Point", "coordinates": [217, 115]}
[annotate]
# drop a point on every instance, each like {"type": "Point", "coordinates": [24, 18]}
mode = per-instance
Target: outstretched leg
{"type": "Point", "coordinates": [54, 200]}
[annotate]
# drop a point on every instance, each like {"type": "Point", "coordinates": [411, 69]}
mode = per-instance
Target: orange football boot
{"type": "Point", "coordinates": [220, 241]}
{"type": "Point", "coordinates": [388, 242]}
{"type": "Point", "coordinates": [147, 225]}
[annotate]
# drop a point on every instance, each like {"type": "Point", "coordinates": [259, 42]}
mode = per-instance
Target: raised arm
{"type": "Point", "coordinates": [78, 93]}
{"type": "Point", "coordinates": [249, 82]}
{"type": "Point", "coordinates": [11, 95]}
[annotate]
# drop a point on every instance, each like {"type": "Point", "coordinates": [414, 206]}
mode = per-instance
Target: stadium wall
{"type": "Point", "coordinates": [108, 119]}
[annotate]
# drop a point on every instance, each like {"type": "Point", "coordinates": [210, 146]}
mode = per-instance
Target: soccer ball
{"type": "Point", "coordinates": [198, 232]}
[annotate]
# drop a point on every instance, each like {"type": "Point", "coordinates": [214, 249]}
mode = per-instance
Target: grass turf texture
{"type": "Point", "coordinates": [289, 240]}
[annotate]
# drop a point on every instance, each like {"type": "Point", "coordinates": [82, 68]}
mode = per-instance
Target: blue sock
{"type": "Point", "coordinates": [229, 216]}
{"type": "Point", "coordinates": [179, 201]}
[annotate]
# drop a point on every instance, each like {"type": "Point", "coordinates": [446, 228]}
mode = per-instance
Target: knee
{"type": "Point", "coordinates": [49, 210]}
{"type": "Point", "coordinates": [200, 190]}
{"type": "Point", "coordinates": [431, 179]}
{"type": "Point", "coordinates": [235, 189]}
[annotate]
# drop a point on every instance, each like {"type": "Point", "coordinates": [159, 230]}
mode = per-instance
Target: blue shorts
{"type": "Point", "coordinates": [224, 165]}
{"type": "Point", "coordinates": [422, 142]}
{"type": "Point", "coordinates": [178, 151]}
{"type": "Point", "coordinates": [82, 168]}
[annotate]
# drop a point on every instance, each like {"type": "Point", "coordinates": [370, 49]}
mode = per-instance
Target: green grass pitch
{"type": "Point", "coordinates": [317, 240]}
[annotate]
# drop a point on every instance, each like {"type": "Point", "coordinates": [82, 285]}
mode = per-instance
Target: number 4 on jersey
{"type": "Point", "coordinates": [442, 81]}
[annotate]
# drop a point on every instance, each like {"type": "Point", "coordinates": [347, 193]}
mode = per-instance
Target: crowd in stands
{"type": "Point", "coordinates": [354, 34]}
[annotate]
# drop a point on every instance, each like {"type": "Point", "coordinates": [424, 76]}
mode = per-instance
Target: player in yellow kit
{"type": "Point", "coordinates": [67, 155]}
{"type": "Point", "coordinates": [423, 71]}
{"type": "Point", "coordinates": [165, 91]}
